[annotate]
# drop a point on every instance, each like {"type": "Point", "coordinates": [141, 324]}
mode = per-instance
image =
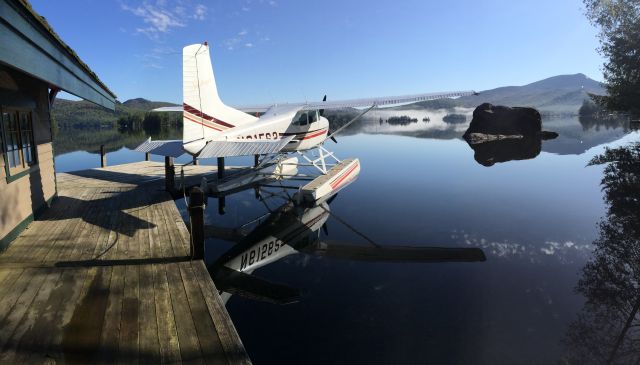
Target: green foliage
{"type": "Point", "coordinates": [80, 125]}
{"type": "Point", "coordinates": [589, 108]}
{"type": "Point", "coordinates": [83, 115]}
{"type": "Point", "coordinates": [605, 330]}
{"type": "Point", "coordinates": [619, 23]}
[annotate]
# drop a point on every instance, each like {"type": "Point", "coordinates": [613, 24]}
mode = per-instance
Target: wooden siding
{"type": "Point", "coordinates": [21, 198]}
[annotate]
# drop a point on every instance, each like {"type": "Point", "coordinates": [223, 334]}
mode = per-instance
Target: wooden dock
{"type": "Point", "coordinates": [105, 276]}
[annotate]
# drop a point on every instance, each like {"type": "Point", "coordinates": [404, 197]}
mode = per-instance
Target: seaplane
{"type": "Point", "coordinates": [282, 136]}
{"type": "Point", "coordinates": [292, 229]}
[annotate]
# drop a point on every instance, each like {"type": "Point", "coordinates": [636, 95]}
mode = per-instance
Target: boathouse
{"type": "Point", "coordinates": [35, 64]}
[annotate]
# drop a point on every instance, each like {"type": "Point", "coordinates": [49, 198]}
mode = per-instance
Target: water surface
{"type": "Point", "coordinates": [534, 219]}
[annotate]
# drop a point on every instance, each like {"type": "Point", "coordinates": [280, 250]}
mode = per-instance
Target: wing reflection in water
{"type": "Point", "coordinates": [292, 229]}
{"type": "Point", "coordinates": [607, 330]}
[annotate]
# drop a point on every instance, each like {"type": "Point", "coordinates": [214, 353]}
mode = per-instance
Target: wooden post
{"type": "Point", "coordinates": [195, 161]}
{"type": "Point", "coordinates": [220, 167]}
{"type": "Point", "coordinates": [147, 156]}
{"type": "Point", "coordinates": [256, 160]}
{"type": "Point", "coordinates": [222, 205]}
{"type": "Point", "coordinates": [103, 156]}
{"type": "Point", "coordinates": [196, 222]}
{"type": "Point", "coordinates": [169, 174]}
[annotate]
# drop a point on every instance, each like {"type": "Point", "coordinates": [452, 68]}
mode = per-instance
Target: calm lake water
{"type": "Point", "coordinates": [535, 220]}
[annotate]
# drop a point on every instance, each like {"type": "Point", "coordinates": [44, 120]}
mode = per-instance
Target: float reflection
{"type": "Point", "coordinates": [293, 228]}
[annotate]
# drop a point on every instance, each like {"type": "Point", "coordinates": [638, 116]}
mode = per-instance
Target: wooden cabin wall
{"type": "Point", "coordinates": [22, 197]}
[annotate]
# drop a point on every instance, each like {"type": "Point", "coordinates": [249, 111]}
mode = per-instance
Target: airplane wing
{"type": "Point", "coordinates": [243, 148]}
{"type": "Point", "coordinates": [379, 102]}
{"type": "Point", "coordinates": [168, 109]}
{"type": "Point", "coordinates": [397, 253]}
{"type": "Point", "coordinates": [172, 148]}
{"type": "Point", "coordinates": [383, 102]}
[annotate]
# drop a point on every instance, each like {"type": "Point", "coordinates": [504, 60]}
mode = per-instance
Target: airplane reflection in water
{"type": "Point", "coordinates": [293, 228]}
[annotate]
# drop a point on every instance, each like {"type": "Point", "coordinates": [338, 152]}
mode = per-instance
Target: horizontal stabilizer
{"type": "Point", "coordinates": [169, 109]}
{"type": "Point", "coordinates": [252, 287]}
{"type": "Point", "coordinates": [243, 148]}
{"type": "Point", "coordinates": [171, 148]}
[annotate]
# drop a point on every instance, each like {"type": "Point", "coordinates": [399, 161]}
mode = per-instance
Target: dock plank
{"type": "Point", "coordinates": [103, 276]}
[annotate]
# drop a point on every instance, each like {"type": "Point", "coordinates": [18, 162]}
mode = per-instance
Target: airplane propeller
{"type": "Point", "coordinates": [321, 112]}
{"type": "Point", "coordinates": [325, 229]}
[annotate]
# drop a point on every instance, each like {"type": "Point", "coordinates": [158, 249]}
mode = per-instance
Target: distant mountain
{"type": "Point", "coordinates": [82, 114]}
{"type": "Point", "coordinates": [556, 95]}
{"type": "Point", "coordinates": [144, 104]}
{"type": "Point", "coordinates": [562, 94]}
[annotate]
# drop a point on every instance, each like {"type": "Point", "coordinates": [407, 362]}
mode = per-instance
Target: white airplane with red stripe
{"type": "Point", "coordinates": [213, 129]}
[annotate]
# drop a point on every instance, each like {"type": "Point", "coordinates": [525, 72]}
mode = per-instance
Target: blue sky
{"type": "Point", "coordinates": [285, 50]}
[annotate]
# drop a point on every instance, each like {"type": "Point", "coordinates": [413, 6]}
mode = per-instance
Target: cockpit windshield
{"type": "Point", "coordinates": [305, 117]}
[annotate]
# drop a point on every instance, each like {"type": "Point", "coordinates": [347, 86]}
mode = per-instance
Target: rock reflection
{"type": "Point", "coordinates": [501, 134]}
{"type": "Point", "coordinates": [607, 330]}
{"type": "Point", "coordinates": [292, 229]}
{"type": "Point", "coordinates": [488, 153]}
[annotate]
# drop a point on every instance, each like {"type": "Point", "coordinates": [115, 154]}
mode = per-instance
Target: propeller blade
{"type": "Point", "coordinates": [321, 111]}
{"type": "Point", "coordinates": [325, 229]}
{"type": "Point", "coordinates": [333, 139]}
{"type": "Point", "coordinates": [332, 198]}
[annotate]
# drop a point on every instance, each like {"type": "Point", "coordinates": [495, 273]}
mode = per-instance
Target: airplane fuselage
{"type": "Point", "coordinates": [307, 128]}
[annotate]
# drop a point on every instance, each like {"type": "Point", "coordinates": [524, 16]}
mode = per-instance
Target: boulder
{"type": "Point", "coordinates": [501, 134]}
{"type": "Point", "coordinates": [502, 120]}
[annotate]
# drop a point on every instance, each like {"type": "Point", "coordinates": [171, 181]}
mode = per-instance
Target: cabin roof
{"type": "Point", "coordinates": [100, 93]}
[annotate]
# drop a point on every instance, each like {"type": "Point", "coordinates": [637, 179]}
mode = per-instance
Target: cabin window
{"type": "Point", "coordinates": [301, 118]}
{"type": "Point", "coordinates": [313, 116]}
{"type": "Point", "coordinates": [18, 145]}
{"type": "Point", "coordinates": [305, 117]}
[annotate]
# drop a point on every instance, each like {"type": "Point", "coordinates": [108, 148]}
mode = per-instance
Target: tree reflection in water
{"type": "Point", "coordinates": [607, 330]}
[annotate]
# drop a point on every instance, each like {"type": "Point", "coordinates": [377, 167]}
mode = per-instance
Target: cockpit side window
{"type": "Point", "coordinates": [313, 116]}
{"type": "Point", "coordinates": [302, 118]}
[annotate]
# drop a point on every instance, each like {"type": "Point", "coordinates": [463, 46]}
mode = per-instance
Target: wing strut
{"type": "Point", "coordinates": [350, 122]}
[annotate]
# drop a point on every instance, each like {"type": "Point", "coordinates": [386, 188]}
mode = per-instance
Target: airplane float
{"type": "Point", "coordinates": [294, 229]}
{"type": "Point", "coordinates": [213, 129]}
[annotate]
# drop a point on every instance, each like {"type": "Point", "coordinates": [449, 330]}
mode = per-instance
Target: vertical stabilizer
{"type": "Point", "coordinates": [204, 115]}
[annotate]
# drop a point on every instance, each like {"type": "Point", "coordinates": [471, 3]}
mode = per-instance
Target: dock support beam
{"type": "Point", "coordinates": [220, 167]}
{"type": "Point", "coordinates": [147, 156]}
{"type": "Point", "coordinates": [222, 205]}
{"type": "Point", "coordinates": [196, 222]}
{"type": "Point", "coordinates": [169, 174]}
{"type": "Point", "coordinates": [103, 156]}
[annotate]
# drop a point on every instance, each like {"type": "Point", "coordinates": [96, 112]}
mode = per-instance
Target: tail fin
{"type": "Point", "coordinates": [204, 114]}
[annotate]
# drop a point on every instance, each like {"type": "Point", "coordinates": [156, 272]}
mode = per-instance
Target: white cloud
{"type": "Point", "coordinates": [200, 12]}
{"type": "Point", "coordinates": [243, 33]}
{"type": "Point", "coordinates": [162, 16]}
{"type": "Point", "coordinates": [248, 45]}
{"type": "Point", "coordinates": [154, 65]}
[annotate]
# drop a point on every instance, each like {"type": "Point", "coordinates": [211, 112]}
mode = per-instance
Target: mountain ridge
{"type": "Point", "coordinates": [562, 94]}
